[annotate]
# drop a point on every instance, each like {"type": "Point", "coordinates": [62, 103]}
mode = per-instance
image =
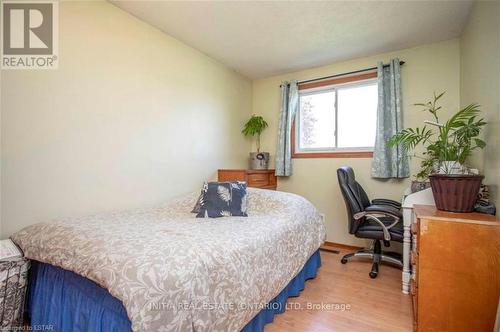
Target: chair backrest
{"type": "Point", "coordinates": [355, 197]}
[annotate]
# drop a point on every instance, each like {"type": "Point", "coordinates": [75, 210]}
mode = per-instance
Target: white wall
{"type": "Point", "coordinates": [480, 81]}
{"type": "Point", "coordinates": [428, 68]}
{"type": "Point", "coordinates": [133, 117]}
{"type": "Point", "coordinates": [130, 118]}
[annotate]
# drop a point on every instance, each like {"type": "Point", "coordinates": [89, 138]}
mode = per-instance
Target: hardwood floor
{"type": "Point", "coordinates": [375, 304]}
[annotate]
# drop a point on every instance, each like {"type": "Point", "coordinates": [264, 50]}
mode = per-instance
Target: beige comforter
{"type": "Point", "coordinates": [174, 272]}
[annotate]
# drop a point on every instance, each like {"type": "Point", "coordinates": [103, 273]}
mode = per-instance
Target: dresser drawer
{"type": "Point", "coordinates": [259, 179]}
{"type": "Point", "coordinates": [414, 298]}
{"type": "Point", "coordinates": [265, 179]}
{"type": "Point", "coordinates": [232, 175]}
{"type": "Point", "coordinates": [414, 268]}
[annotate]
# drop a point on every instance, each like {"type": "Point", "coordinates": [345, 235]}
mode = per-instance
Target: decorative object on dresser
{"type": "Point", "coordinates": [456, 262]}
{"type": "Point", "coordinates": [455, 186]}
{"type": "Point", "coordinates": [264, 179]}
{"type": "Point", "coordinates": [254, 127]}
{"type": "Point", "coordinates": [483, 203]}
{"type": "Point", "coordinates": [419, 185]}
{"type": "Point", "coordinates": [13, 281]}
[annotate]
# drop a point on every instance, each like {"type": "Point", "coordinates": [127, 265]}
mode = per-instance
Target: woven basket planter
{"type": "Point", "coordinates": [455, 193]}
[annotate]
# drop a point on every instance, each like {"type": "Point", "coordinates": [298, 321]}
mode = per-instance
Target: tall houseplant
{"type": "Point", "coordinates": [447, 146]}
{"type": "Point", "coordinates": [254, 127]}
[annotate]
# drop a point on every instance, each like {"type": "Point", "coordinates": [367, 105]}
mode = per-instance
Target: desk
{"type": "Point", "coordinates": [423, 197]}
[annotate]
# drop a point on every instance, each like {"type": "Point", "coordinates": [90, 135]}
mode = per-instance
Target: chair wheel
{"type": "Point", "coordinates": [343, 260]}
{"type": "Point", "coordinates": [373, 274]}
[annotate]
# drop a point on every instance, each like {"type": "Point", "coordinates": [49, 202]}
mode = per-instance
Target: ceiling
{"type": "Point", "coordinates": [264, 38]}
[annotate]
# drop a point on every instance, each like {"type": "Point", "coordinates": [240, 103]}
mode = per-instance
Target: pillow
{"type": "Point", "coordinates": [223, 199]}
{"type": "Point", "coordinates": [197, 206]}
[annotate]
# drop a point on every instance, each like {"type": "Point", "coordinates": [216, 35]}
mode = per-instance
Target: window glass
{"type": "Point", "coordinates": [317, 120]}
{"type": "Point", "coordinates": [337, 117]}
{"type": "Point", "coordinates": [357, 116]}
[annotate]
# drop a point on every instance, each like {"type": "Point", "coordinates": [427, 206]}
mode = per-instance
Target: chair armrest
{"type": "Point", "coordinates": [372, 212]}
{"type": "Point", "coordinates": [384, 201]}
{"type": "Point", "coordinates": [384, 209]}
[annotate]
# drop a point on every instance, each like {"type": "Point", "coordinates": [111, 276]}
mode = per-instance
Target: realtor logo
{"type": "Point", "coordinates": [29, 35]}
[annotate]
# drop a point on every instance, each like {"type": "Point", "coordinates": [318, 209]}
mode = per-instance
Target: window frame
{"type": "Point", "coordinates": [330, 85]}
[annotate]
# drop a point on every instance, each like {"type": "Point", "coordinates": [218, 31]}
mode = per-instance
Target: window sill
{"type": "Point", "coordinates": [336, 154]}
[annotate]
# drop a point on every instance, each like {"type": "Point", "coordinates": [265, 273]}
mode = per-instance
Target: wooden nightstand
{"type": "Point", "coordinates": [258, 178]}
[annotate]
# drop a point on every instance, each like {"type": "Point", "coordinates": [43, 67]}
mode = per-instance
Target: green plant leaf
{"type": "Point", "coordinates": [480, 143]}
{"type": "Point", "coordinates": [452, 141]}
{"type": "Point", "coordinates": [254, 126]}
{"type": "Point", "coordinates": [409, 138]}
{"type": "Point", "coordinates": [436, 98]}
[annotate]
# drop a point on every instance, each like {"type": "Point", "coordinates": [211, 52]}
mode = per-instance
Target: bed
{"type": "Point", "coordinates": [162, 269]}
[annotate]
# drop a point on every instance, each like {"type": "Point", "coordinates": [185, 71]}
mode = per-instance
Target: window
{"type": "Point", "coordinates": [337, 118]}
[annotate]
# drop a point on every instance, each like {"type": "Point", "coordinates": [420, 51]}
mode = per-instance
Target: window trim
{"type": "Point", "coordinates": [362, 152]}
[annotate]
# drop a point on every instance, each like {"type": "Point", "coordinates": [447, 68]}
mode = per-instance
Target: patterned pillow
{"type": "Point", "coordinates": [197, 206]}
{"type": "Point", "coordinates": [223, 199]}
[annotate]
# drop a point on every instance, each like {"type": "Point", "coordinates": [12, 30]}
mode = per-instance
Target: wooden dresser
{"type": "Point", "coordinates": [456, 270]}
{"type": "Point", "coordinates": [257, 178]}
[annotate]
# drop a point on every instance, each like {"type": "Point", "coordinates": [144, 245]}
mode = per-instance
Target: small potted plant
{"type": "Point", "coordinates": [447, 146]}
{"type": "Point", "coordinates": [254, 127]}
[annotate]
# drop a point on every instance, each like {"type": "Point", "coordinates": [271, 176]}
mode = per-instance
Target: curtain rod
{"type": "Point", "coordinates": [343, 74]}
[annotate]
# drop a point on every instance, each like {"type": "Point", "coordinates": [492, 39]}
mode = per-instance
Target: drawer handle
{"type": "Point", "coordinates": [413, 287]}
{"type": "Point", "coordinates": [413, 257]}
{"type": "Point", "coordinates": [414, 229]}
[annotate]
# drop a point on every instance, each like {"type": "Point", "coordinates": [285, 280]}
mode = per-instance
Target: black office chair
{"type": "Point", "coordinates": [380, 220]}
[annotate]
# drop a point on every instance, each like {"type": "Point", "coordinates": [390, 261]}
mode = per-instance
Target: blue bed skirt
{"type": "Point", "coordinates": [60, 300]}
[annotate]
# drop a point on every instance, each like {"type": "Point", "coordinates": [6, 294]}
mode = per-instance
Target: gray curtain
{"type": "Point", "coordinates": [288, 109]}
{"type": "Point", "coordinates": [389, 162]}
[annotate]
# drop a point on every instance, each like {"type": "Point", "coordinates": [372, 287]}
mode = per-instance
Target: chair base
{"type": "Point", "coordinates": [377, 256]}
